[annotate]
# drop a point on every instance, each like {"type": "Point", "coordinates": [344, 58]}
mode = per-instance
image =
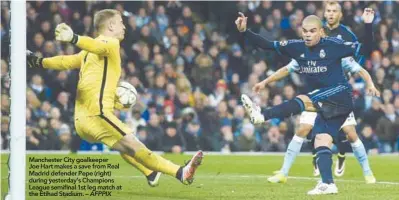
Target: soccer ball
{"type": "Point", "coordinates": [126, 96]}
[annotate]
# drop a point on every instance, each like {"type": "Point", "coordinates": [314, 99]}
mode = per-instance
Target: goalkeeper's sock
{"type": "Point", "coordinates": [361, 155]}
{"type": "Point", "coordinates": [292, 151]}
{"type": "Point", "coordinates": [286, 109]}
{"type": "Point", "coordinates": [155, 162]}
{"type": "Point", "coordinates": [324, 162]}
{"type": "Point", "coordinates": [136, 164]}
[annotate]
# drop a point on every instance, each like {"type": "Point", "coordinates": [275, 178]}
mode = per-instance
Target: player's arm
{"type": "Point", "coordinates": [57, 62]}
{"type": "Point", "coordinates": [63, 62]}
{"type": "Point", "coordinates": [65, 34]}
{"type": "Point", "coordinates": [349, 64]}
{"type": "Point", "coordinates": [258, 40]}
{"type": "Point", "coordinates": [368, 17]}
{"type": "Point", "coordinates": [278, 75]}
{"type": "Point", "coordinates": [91, 45]}
{"type": "Point", "coordinates": [369, 41]}
{"type": "Point", "coordinates": [254, 38]}
{"type": "Point", "coordinates": [355, 49]}
{"type": "Point", "coordinates": [370, 87]}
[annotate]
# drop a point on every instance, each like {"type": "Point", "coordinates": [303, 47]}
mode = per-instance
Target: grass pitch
{"type": "Point", "coordinates": [227, 177]}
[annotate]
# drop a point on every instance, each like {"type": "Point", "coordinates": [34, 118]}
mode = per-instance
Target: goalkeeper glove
{"type": "Point", "coordinates": [64, 33]}
{"type": "Point", "coordinates": [33, 60]}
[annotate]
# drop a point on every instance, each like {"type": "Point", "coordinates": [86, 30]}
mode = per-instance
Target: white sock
{"type": "Point", "coordinates": [361, 155]}
{"type": "Point", "coordinates": [292, 151]}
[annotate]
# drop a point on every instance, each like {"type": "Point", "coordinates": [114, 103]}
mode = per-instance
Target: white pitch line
{"type": "Point", "coordinates": [264, 176]}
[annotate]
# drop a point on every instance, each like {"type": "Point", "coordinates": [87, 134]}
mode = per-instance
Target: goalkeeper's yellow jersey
{"type": "Point", "coordinates": [100, 70]}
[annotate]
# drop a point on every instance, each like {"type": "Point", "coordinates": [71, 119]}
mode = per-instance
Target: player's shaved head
{"type": "Point", "coordinates": [312, 30]}
{"type": "Point", "coordinates": [312, 20]}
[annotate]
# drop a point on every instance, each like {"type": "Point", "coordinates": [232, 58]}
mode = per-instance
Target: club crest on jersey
{"type": "Point", "coordinates": [322, 53]}
{"type": "Point", "coordinates": [320, 104]}
{"type": "Point", "coordinates": [283, 43]}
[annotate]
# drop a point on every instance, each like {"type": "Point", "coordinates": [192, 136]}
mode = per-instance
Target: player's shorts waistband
{"type": "Point", "coordinates": [324, 93]}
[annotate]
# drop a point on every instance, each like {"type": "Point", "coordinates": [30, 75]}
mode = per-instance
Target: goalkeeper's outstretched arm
{"type": "Point", "coordinates": [57, 62]}
{"type": "Point", "coordinates": [93, 46]}
{"type": "Point", "coordinates": [64, 33]}
{"type": "Point", "coordinates": [63, 62]}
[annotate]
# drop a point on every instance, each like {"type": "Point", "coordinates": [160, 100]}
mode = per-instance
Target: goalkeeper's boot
{"type": "Point", "coordinates": [370, 179]}
{"type": "Point", "coordinates": [324, 188]}
{"type": "Point", "coordinates": [340, 166]}
{"type": "Point", "coordinates": [278, 178]}
{"type": "Point", "coordinates": [153, 179]}
{"type": "Point", "coordinates": [190, 168]}
{"type": "Point", "coordinates": [253, 110]}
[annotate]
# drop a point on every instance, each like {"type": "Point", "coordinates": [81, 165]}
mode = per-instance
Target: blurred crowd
{"type": "Point", "coordinates": [190, 65]}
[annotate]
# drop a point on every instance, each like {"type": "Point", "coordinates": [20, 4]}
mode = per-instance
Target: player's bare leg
{"type": "Point", "coordinates": [294, 147]}
{"type": "Point", "coordinates": [152, 176]}
{"type": "Point", "coordinates": [130, 145]}
{"type": "Point", "coordinates": [360, 153]}
{"type": "Point", "coordinates": [323, 143]}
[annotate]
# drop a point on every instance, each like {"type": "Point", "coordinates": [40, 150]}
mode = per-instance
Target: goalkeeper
{"type": "Point", "coordinates": [100, 70]}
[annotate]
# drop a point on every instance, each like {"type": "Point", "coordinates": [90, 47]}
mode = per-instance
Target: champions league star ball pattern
{"type": "Point", "coordinates": [126, 95]}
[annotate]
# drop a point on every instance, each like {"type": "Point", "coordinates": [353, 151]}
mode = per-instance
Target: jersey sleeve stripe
{"type": "Point", "coordinates": [336, 40]}
{"type": "Point", "coordinates": [113, 125]}
{"type": "Point", "coordinates": [360, 60]}
{"type": "Point", "coordinates": [103, 84]}
{"type": "Point", "coordinates": [358, 49]}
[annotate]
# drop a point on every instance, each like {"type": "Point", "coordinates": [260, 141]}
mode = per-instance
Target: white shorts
{"type": "Point", "coordinates": [310, 117]}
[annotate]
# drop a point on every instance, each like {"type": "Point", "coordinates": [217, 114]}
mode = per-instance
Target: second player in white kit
{"type": "Point", "coordinates": [310, 117]}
